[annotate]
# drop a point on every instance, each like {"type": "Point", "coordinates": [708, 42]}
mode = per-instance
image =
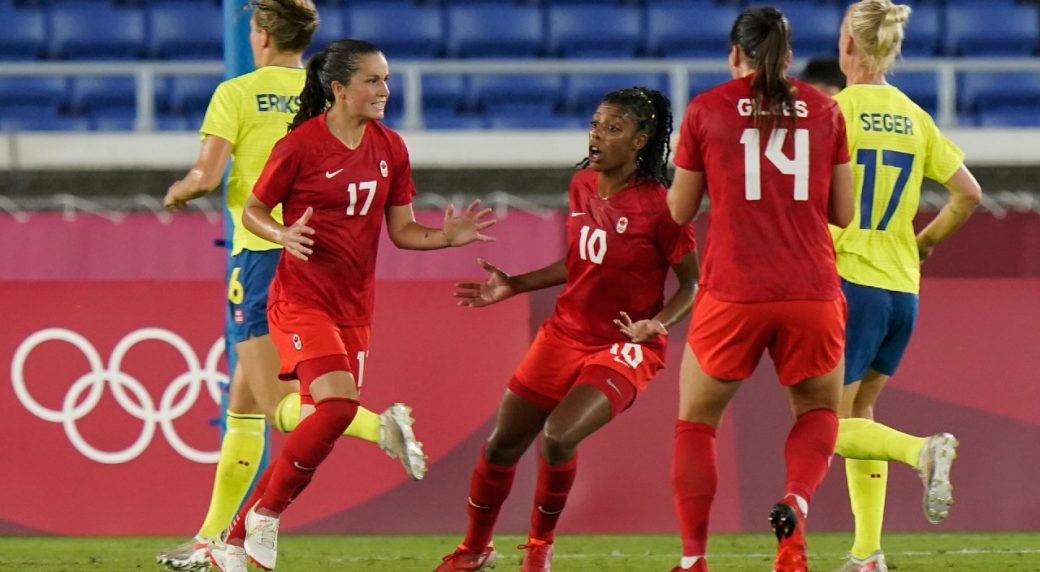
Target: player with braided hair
{"type": "Point", "coordinates": [605, 340]}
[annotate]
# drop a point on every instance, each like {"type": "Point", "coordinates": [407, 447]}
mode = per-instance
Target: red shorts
{"type": "Point", "coordinates": [805, 338]}
{"type": "Point", "coordinates": [302, 333]}
{"type": "Point", "coordinates": [555, 363]}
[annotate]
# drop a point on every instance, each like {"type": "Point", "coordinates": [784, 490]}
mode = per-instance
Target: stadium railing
{"type": "Point", "coordinates": [147, 74]}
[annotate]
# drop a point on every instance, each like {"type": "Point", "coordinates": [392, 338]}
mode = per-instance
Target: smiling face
{"type": "Point", "coordinates": [614, 138]}
{"type": "Point", "coordinates": [367, 92]}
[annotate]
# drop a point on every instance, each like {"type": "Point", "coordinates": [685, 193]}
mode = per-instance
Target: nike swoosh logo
{"type": "Point", "coordinates": [577, 214]}
{"type": "Point", "coordinates": [549, 512]}
{"type": "Point", "coordinates": [610, 382]}
{"type": "Point", "coordinates": [330, 174]}
{"type": "Point", "coordinates": [301, 467]}
{"type": "Point", "coordinates": [475, 505]}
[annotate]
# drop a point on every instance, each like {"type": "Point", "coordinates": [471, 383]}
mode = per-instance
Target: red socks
{"type": "Point", "coordinates": [550, 496]}
{"type": "Point", "coordinates": [488, 489]}
{"type": "Point", "coordinates": [808, 451]}
{"type": "Point", "coordinates": [695, 478]}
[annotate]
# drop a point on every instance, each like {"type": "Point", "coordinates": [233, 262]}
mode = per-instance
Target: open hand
{"type": "Point", "coordinates": [498, 287]}
{"type": "Point", "coordinates": [642, 330]}
{"type": "Point", "coordinates": [465, 228]}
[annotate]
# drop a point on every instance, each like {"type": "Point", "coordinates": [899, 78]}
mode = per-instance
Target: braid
{"type": "Point", "coordinates": [652, 112]}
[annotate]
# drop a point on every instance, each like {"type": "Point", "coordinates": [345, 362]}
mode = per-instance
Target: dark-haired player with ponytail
{"type": "Point", "coordinates": [337, 174]}
{"type": "Point", "coordinates": [771, 153]}
{"type": "Point", "coordinates": [247, 115]}
{"type": "Point", "coordinates": [605, 340]}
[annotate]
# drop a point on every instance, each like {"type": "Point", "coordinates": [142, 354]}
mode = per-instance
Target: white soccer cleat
{"type": "Point", "coordinates": [261, 539]}
{"type": "Point", "coordinates": [226, 557]}
{"type": "Point", "coordinates": [933, 466]}
{"type": "Point", "coordinates": [190, 555]}
{"type": "Point", "coordinates": [873, 563]}
{"type": "Point", "coordinates": [397, 439]}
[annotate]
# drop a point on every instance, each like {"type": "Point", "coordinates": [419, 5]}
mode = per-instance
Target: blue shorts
{"type": "Point", "coordinates": [877, 330]}
{"type": "Point", "coordinates": [248, 283]}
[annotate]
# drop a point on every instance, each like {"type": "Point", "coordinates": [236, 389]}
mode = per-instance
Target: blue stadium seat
{"type": "Point", "coordinates": [88, 94]}
{"type": "Point", "coordinates": [183, 31]}
{"type": "Point", "coordinates": [96, 32]}
{"type": "Point", "coordinates": [583, 92]}
{"type": "Point", "coordinates": [173, 122]}
{"type": "Point", "coordinates": [922, 88]}
{"type": "Point", "coordinates": [515, 94]}
{"type": "Point", "coordinates": [189, 95]}
{"type": "Point", "coordinates": [43, 122]}
{"type": "Point", "coordinates": [40, 92]}
{"type": "Point", "coordinates": [494, 31]}
{"type": "Point", "coordinates": [443, 93]}
{"type": "Point", "coordinates": [25, 33]}
{"type": "Point", "coordinates": [701, 82]}
{"type": "Point", "coordinates": [991, 91]}
{"type": "Point", "coordinates": [400, 30]}
{"type": "Point", "coordinates": [992, 30]}
{"type": "Point", "coordinates": [536, 122]}
{"type": "Point", "coordinates": [1009, 117]}
{"type": "Point", "coordinates": [814, 28]}
{"type": "Point", "coordinates": [333, 27]}
{"type": "Point", "coordinates": [923, 35]}
{"type": "Point", "coordinates": [617, 32]}
{"type": "Point", "coordinates": [452, 120]}
{"type": "Point", "coordinates": [669, 29]}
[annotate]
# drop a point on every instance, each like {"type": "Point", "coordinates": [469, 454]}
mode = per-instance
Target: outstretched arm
{"type": "Point", "coordinates": [965, 195]}
{"type": "Point", "coordinates": [500, 285]}
{"type": "Point", "coordinates": [678, 306]}
{"type": "Point", "coordinates": [204, 175]}
{"type": "Point", "coordinates": [459, 230]}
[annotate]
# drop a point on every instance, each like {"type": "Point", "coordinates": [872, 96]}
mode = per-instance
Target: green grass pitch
{"type": "Point", "coordinates": [962, 552]}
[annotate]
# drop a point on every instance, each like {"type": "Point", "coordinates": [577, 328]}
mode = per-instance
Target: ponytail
{"type": "Point", "coordinates": [338, 62]}
{"type": "Point", "coordinates": [313, 99]}
{"type": "Point", "coordinates": [877, 27]}
{"type": "Point", "coordinates": [764, 35]}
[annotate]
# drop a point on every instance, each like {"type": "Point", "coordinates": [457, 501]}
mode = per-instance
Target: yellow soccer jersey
{"type": "Point", "coordinates": [893, 145]}
{"type": "Point", "coordinates": [253, 112]}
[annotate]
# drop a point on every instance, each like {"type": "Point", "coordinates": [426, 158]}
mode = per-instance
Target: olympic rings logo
{"type": "Point", "coordinates": [129, 392]}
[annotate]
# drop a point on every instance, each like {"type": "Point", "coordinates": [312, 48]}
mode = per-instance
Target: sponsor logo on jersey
{"type": "Point", "coordinates": [330, 174]}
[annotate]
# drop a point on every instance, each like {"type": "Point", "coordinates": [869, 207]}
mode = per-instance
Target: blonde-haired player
{"type": "Point", "coordinates": [246, 116]}
{"type": "Point", "coordinates": [893, 145]}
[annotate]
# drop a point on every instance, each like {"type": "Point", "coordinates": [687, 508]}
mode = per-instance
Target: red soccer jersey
{"type": "Point", "coordinates": [768, 238]}
{"type": "Point", "coordinates": [619, 251]}
{"type": "Point", "coordinates": [349, 190]}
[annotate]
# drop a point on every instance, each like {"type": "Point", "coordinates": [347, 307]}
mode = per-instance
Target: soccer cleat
{"type": "Point", "coordinates": [873, 563]}
{"type": "Point", "coordinates": [933, 466]}
{"type": "Point", "coordinates": [537, 557]}
{"type": "Point", "coordinates": [190, 555]}
{"type": "Point", "coordinates": [397, 439]}
{"type": "Point", "coordinates": [700, 566]}
{"type": "Point", "coordinates": [261, 542]}
{"type": "Point", "coordinates": [464, 559]}
{"type": "Point", "coordinates": [788, 524]}
{"type": "Point", "coordinates": [226, 557]}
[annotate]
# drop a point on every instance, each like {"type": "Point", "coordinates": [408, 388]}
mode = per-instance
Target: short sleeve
{"type": "Point", "coordinates": [222, 113]}
{"type": "Point", "coordinates": [688, 148]}
{"type": "Point", "coordinates": [841, 138]}
{"type": "Point", "coordinates": [279, 174]}
{"type": "Point", "coordinates": [944, 158]}
{"type": "Point", "coordinates": [402, 186]}
{"type": "Point", "coordinates": [674, 240]}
